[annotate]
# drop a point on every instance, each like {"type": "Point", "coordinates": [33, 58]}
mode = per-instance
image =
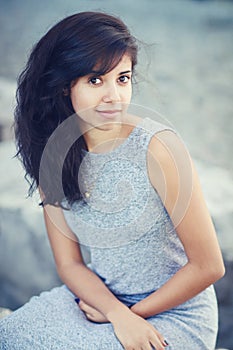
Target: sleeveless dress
{"type": "Point", "coordinates": [134, 249]}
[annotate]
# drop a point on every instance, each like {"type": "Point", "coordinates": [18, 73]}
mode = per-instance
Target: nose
{"type": "Point", "coordinates": [111, 93]}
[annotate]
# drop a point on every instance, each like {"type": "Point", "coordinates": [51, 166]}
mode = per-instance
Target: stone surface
{"type": "Point", "coordinates": [225, 301]}
{"type": "Point", "coordinates": [7, 102]}
{"type": "Point", "coordinates": [26, 262]}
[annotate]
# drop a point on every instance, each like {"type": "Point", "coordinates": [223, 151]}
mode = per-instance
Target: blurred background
{"type": "Point", "coordinates": [185, 73]}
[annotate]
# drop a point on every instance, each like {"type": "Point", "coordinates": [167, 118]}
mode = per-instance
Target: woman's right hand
{"type": "Point", "coordinates": [135, 333]}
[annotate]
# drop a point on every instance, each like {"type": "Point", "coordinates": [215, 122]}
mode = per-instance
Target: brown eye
{"type": "Point", "coordinates": [94, 81]}
{"type": "Point", "coordinates": [124, 79]}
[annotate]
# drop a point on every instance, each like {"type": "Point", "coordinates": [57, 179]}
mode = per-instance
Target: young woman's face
{"type": "Point", "coordinates": [98, 100]}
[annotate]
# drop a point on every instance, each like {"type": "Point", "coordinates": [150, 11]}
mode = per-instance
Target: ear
{"type": "Point", "coordinates": [65, 91]}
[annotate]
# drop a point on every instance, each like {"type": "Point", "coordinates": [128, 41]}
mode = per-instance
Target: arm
{"type": "Point", "coordinates": [71, 268]}
{"type": "Point", "coordinates": [131, 330]}
{"type": "Point", "coordinates": [173, 175]}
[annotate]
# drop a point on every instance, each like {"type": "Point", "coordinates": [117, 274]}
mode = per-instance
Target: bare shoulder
{"type": "Point", "coordinates": [166, 146]}
{"type": "Point", "coordinates": [168, 154]}
{"type": "Point", "coordinates": [171, 172]}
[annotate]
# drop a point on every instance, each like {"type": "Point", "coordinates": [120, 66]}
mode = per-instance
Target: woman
{"type": "Point", "coordinates": [119, 184]}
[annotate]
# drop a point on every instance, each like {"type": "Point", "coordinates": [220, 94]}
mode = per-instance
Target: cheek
{"type": "Point", "coordinates": [74, 100]}
{"type": "Point", "coordinates": [79, 101]}
{"type": "Point", "coordinates": [127, 95]}
{"type": "Point", "coordinates": [82, 103]}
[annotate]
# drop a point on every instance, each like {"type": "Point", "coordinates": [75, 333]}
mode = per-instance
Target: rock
{"type": "Point", "coordinates": [217, 186]}
{"type": "Point", "coordinates": [225, 302]}
{"type": "Point", "coordinates": [7, 102]}
{"type": "Point", "coordinates": [26, 263]}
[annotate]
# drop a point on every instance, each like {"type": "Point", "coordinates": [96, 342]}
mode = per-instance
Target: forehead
{"type": "Point", "coordinates": [126, 60]}
{"type": "Point", "coordinates": [125, 63]}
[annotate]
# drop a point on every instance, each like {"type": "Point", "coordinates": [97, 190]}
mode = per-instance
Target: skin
{"type": "Point", "coordinates": [167, 160]}
{"type": "Point", "coordinates": [95, 99]}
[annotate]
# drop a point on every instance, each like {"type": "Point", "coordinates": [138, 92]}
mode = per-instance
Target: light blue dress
{"type": "Point", "coordinates": [134, 249]}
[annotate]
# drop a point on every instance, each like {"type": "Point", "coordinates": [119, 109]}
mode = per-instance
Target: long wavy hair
{"type": "Point", "coordinates": [69, 50]}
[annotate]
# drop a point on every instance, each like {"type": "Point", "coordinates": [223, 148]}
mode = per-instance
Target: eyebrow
{"type": "Point", "coordinates": [96, 72]}
{"type": "Point", "coordinates": [127, 71]}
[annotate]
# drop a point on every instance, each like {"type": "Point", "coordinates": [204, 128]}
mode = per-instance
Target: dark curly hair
{"type": "Point", "coordinates": [69, 50]}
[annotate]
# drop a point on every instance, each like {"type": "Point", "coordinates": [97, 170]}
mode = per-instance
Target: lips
{"type": "Point", "coordinates": [109, 113]}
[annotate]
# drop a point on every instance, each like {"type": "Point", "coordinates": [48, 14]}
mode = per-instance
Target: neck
{"type": "Point", "coordinates": [102, 138]}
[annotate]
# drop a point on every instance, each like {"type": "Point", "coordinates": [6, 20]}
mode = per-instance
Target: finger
{"type": "Point", "coordinates": [157, 344]}
{"type": "Point", "coordinates": [161, 338]}
{"type": "Point", "coordinates": [147, 346]}
{"type": "Point", "coordinates": [96, 314]}
{"type": "Point", "coordinates": [89, 316]}
{"type": "Point", "coordinates": [163, 341]}
{"type": "Point", "coordinates": [85, 307]}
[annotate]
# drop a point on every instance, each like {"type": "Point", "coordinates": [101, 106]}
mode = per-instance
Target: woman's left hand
{"type": "Point", "coordinates": [91, 313]}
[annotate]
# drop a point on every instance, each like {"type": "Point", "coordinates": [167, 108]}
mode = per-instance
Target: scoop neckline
{"type": "Point", "coordinates": [126, 140]}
